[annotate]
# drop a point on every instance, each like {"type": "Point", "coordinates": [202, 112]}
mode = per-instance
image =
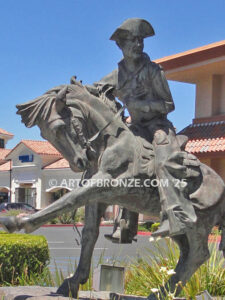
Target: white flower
{"type": "Point", "coordinates": [171, 272]}
{"type": "Point", "coordinates": [163, 269]}
{"type": "Point", "coordinates": [154, 290]}
{"type": "Point", "coordinates": [151, 239]}
{"type": "Point", "coordinates": [158, 238]}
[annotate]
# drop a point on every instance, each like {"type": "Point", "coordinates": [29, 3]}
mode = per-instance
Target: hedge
{"type": "Point", "coordinates": [21, 253]}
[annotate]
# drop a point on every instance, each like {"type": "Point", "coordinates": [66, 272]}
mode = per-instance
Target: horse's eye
{"type": "Point", "coordinates": [59, 129]}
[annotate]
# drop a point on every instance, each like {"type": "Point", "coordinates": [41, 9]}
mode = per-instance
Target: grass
{"type": "Point", "coordinates": [153, 270]}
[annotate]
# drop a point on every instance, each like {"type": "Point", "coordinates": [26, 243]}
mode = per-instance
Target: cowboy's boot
{"type": "Point", "coordinates": [114, 237]}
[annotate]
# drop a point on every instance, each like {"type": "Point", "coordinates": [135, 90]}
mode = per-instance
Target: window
{"type": "Point", "coordinates": [26, 158]}
{"type": "Point", "coordinates": [58, 194]}
{"type": "Point", "coordinates": [26, 195]}
{"type": "Point", "coordinates": [2, 143]}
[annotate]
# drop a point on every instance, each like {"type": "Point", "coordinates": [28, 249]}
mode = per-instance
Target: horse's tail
{"type": "Point", "coordinates": [222, 227]}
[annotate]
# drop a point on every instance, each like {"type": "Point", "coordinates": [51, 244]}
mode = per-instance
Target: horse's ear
{"type": "Point", "coordinates": [61, 99]}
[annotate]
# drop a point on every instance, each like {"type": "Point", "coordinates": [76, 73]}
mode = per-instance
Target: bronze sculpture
{"type": "Point", "coordinates": [84, 124]}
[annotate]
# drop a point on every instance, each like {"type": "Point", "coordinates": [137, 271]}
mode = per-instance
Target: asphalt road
{"type": "Point", "coordinates": [65, 252]}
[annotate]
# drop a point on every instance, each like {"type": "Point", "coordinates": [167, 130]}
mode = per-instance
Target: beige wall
{"type": "Point", "coordinates": [4, 179]}
{"type": "Point", "coordinates": [203, 101]}
{"type": "Point", "coordinates": [206, 161]}
{"type": "Point", "coordinates": [223, 94]}
{"type": "Point", "coordinates": [56, 178]}
{"type": "Point", "coordinates": [210, 96]}
{"type": "Point", "coordinates": [218, 165]}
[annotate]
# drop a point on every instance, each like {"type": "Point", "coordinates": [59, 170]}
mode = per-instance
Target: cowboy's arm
{"type": "Point", "coordinates": [105, 85]}
{"type": "Point", "coordinates": [104, 89]}
{"type": "Point", "coordinates": [163, 101]}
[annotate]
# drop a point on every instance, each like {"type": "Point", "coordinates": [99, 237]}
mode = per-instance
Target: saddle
{"type": "Point", "coordinates": [182, 165]}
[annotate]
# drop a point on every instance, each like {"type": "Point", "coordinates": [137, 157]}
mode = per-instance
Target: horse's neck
{"type": "Point", "coordinates": [99, 117]}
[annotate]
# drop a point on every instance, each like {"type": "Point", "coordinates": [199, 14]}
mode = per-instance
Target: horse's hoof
{"type": "Point", "coordinates": [10, 224]}
{"type": "Point", "coordinates": [68, 289]}
{"type": "Point", "coordinates": [28, 226]}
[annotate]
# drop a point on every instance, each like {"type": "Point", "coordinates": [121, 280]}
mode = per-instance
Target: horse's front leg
{"type": "Point", "coordinates": [193, 253]}
{"type": "Point", "coordinates": [90, 233]}
{"type": "Point", "coordinates": [81, 196]}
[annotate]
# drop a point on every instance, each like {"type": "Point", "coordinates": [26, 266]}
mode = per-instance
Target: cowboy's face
{"type": "Point", "coordinates": [132, 47]}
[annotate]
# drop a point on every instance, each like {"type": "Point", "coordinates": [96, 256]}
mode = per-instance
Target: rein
{"type": "Point", "coordinates": [87, 144]}
{"type": "Point", "coordinates": [94, 137]}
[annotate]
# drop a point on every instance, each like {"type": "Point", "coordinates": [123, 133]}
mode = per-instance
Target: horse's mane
{"type": "Point", "coordinates": [43, 107]}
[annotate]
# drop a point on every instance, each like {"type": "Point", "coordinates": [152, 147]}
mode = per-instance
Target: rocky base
{"type": "Point", "coordinates": [49, 293]}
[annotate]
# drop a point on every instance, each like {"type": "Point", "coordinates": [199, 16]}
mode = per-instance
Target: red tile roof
{"type": "Point", "coordinates": [59, 164]}
{"type": "Point", "coordinates": [40, 147]}
{"type": "Point", "coordinates": [2, 131]}
{"type": "Point", "coordinates": [205, 137]}
{"type": "Point", "coordinates": [5, 166]}
{"type": "Point", "coordinates": [3, 153]}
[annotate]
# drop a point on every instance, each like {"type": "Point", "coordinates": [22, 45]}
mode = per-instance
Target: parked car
{"type": "Point", "coordinates": [4, 207]}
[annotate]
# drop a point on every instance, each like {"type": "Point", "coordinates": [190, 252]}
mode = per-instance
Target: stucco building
{"type": "Point", "coordinates": [35, 172]}
{"type": "Point", "coordinates": [204, 67]}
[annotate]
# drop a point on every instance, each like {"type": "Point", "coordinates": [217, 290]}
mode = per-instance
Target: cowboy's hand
{"type": "Point", "coordinates": [185, 158]}
{"type": "Point", "coordinates": [139, 93]}
{"type": "Point", "coordinates": [138, 105]}
{"type": "Point", "coordinates": [188, 163]}
{"type": "Point", "coordinates": [157, 106]}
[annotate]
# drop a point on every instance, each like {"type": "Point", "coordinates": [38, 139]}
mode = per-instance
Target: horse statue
{"type": "Point", "coordinates": [92, 137]}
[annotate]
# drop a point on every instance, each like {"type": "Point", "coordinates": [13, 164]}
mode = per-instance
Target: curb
{"type": "Point", "coordinates": [143, 233]}
{"type": "Point", "coordinates": [71, 225]}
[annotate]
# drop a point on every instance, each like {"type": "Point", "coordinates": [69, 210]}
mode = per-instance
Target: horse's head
{"type": "Point", "coordinates": [63, 126]}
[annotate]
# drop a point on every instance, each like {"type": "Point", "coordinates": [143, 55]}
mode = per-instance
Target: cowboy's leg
{"type": "Point", "coordinates": [128, 226]}
{"type": "Point", "coordinates": [176, 207]}
{"type": "Point", "coordinates": [115, 235]}
{"type": "Point", "coordinates": [125, 227]}
{"type": "Point", "coordinates": [118, 218]}
{"type": "Point", "coordinates": [132, 223]}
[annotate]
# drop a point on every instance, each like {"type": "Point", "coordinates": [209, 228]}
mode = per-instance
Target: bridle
{"type": "Point", "coordinates": [87, 143]}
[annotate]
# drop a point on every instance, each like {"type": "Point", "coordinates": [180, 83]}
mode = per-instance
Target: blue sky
{"type": "Point", "coordinates": [45, 42]}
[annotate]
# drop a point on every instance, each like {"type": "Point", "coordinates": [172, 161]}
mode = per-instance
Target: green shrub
{"type": "Point", "coordinates": [143, 228]}
{"type": "Point", "coordinates": [154, 227]}
{"type": "Point", "coordinates": [148, 226]}
{"type": "Point", "coordinates": [21, 253]}
{"type": "Point", "coordinates": [70, 218]}
{"type": "Point", "coordinates": [13, 212]}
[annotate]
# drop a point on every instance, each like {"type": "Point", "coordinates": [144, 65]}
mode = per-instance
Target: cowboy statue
{"type": "Point", "coordinates": [141, 86]}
